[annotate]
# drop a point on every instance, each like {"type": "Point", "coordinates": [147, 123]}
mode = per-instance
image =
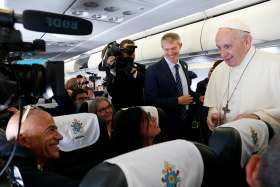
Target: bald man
{"type": "Point", "coordinates": [262, 170]}
{"type": "Point", "coordinates": [37, 141]}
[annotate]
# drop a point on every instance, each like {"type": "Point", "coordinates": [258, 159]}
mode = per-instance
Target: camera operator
{"type": "Point", "coordinates": [124, 77]}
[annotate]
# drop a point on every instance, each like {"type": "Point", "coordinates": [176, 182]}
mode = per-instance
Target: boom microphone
{"type": "Point", "coordinates": [55, 23]}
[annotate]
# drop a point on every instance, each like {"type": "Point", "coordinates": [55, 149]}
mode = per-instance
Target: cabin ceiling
{"type": "Point", "coordinates": [112, 20]}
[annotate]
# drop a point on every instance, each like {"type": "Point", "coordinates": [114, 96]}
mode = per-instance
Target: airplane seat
{"type": "Point", "coordinates": [176, 162]}
{"type": "Point", "coordinates": [161, 118]}
{"type": "Point", "coordinates": [83, 108]}
{"type": "Point", "coordinates": [270, 131]}
{"type": "Point", "coordinates": [212, 167]}
{"type": "Point", "coordinates": [162, 121]}
{"type": "Point", "coordinates": [226, 143]}
{"type": "Point", "coordinates": [104, 175]}
{"type": "Point", "coordinates": [3, 139]}
{"type": "Point", "coordinates": [85, 144]}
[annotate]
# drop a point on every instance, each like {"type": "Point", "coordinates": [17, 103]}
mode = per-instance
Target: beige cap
{"type": "Point", "coordinates": [236, 24]}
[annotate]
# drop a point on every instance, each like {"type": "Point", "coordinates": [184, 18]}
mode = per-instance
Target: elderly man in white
{"type": "Point", "coordinates": [243, 92]}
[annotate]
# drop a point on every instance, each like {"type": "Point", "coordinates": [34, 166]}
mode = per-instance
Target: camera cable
{"type": "Point", "coordinates": [22, 117]}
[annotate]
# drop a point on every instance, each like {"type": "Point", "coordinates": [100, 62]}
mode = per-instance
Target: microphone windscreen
{"type": "Point", "coordinates": [55, 23]}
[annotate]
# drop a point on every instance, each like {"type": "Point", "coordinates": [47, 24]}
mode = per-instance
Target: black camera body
{"type": "Point", "coordinates": [93, 77]}
{"type": "Point", "coordinates": [123, 64]}
{"type": "Point", "coordinates": [22, 80]}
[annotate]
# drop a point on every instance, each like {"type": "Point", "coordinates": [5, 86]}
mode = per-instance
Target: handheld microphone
{"type": "Point", "coordinates": [55, 23]}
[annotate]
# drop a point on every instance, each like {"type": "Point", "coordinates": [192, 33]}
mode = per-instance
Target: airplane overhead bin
{"type": "Point", "coordinates": [200, 36]}
{"type": "Point", "coordinates": [94, 60]}
{"type": "Point", "coordinates": [71, 66]}
{"type": "Point", "coordinates": [151, 46]}
{"type": "Point", "coordinates": [261, 18]}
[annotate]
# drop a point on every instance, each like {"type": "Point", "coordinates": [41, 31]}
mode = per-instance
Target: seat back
{"type": "Point", "coordinates": [226, 143]}
{"type": "Point", "coordinates": [183, 167]}
{"type": "Point", "coordinates": [77, 161]}
{"type": "Point", "coordinates": [104, 175]}
{"type": "Point", "coordinates": [3, 139]}
{"type": "Point", "coordinates": [212, 167]}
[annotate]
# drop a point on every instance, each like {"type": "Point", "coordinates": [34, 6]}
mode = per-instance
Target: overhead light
{"type": "Point", "coordinates": [71, 44]}
{"type": "Point", "coordinates": [111, 9]}
{"type": "Point", "coordinates": [61, 44]}
{"type": "Point", "coordinates": [128, 13]}
{"type": "Point", "coordinates": [99, 16]}
{"type": "Point", "coordinates": [90, 4]}
{"type": "Point", "coordinates": [116, 19]}
{"type": "Point", "coordinates": [80, 13]}
{"type": "Point", "coordinates": [2, 4]}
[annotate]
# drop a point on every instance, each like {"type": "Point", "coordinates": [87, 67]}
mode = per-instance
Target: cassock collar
{"type": "Point", "coordinates": [246, 59]}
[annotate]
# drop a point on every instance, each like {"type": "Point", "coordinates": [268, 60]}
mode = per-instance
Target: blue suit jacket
{"type": "Point", "coordinates": [160, 88]}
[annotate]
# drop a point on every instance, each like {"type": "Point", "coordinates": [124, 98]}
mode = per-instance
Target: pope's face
{"type": "Point", "coordinates": [232, 46]}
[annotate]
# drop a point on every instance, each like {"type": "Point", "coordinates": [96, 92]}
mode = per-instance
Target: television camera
{"type": "Point", "coordinates": [93, 78]}
{"type": "Point", "coordinates": [124, 63]}
{"type": "Point", "coordinates": [19, 80]}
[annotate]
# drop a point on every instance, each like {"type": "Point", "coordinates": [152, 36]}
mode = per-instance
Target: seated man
{"type": "Point", "coordinates": [79, 96]}
{"type": "Point", "coordinates": [261, 170]}
{"type": "Point", "coordinates": [37, 141]}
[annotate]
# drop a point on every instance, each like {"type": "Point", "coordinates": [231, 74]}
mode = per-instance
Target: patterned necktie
{"type": "Point", "coordinates": [178, 80]}
{"type": "Point", "coordinates": [183, 111]}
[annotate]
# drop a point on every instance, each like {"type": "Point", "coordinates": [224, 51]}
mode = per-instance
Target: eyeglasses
{"type": "Point", "coordinates": [101, 110]}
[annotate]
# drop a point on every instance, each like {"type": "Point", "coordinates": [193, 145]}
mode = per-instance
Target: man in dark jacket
{"type": "Point", "coordinates": [167, 85]}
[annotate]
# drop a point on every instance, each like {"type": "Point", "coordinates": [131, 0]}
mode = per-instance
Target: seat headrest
{"type": "Point", "coordinates": [148, 109]}
{"type": "Point", "coordinates": [153, 111]}
{"type": "Point", "coordinates": [254, 136]}
{"type": "Point", "coordinates": [78, 130]}
{"type": "Point", "coordinates": [83, 107]}
{"type": "Point", "coordinates": [173, 162]}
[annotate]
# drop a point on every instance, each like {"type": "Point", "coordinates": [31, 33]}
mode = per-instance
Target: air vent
{"type": "Point", "coordinates": [111, 9]}
{"type": "Point", "coordinates": [90, 4]}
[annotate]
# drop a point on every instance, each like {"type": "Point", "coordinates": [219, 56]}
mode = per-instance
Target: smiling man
{"type": "Point", "coordinates": [246, 84]}
{"type": "Point", "coordinates": [167, 85]}
{"type": "Point", "coordinates": [37, 141]}
{"type": "Point", "coordinates": [243, 91]}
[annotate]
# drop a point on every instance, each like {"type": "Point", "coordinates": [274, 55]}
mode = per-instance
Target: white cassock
{"type": "Point", "coordinates": [257, 92]}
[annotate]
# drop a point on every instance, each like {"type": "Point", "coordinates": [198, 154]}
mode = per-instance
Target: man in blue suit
{"type": "Point", "coordinates": [167, 85]}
